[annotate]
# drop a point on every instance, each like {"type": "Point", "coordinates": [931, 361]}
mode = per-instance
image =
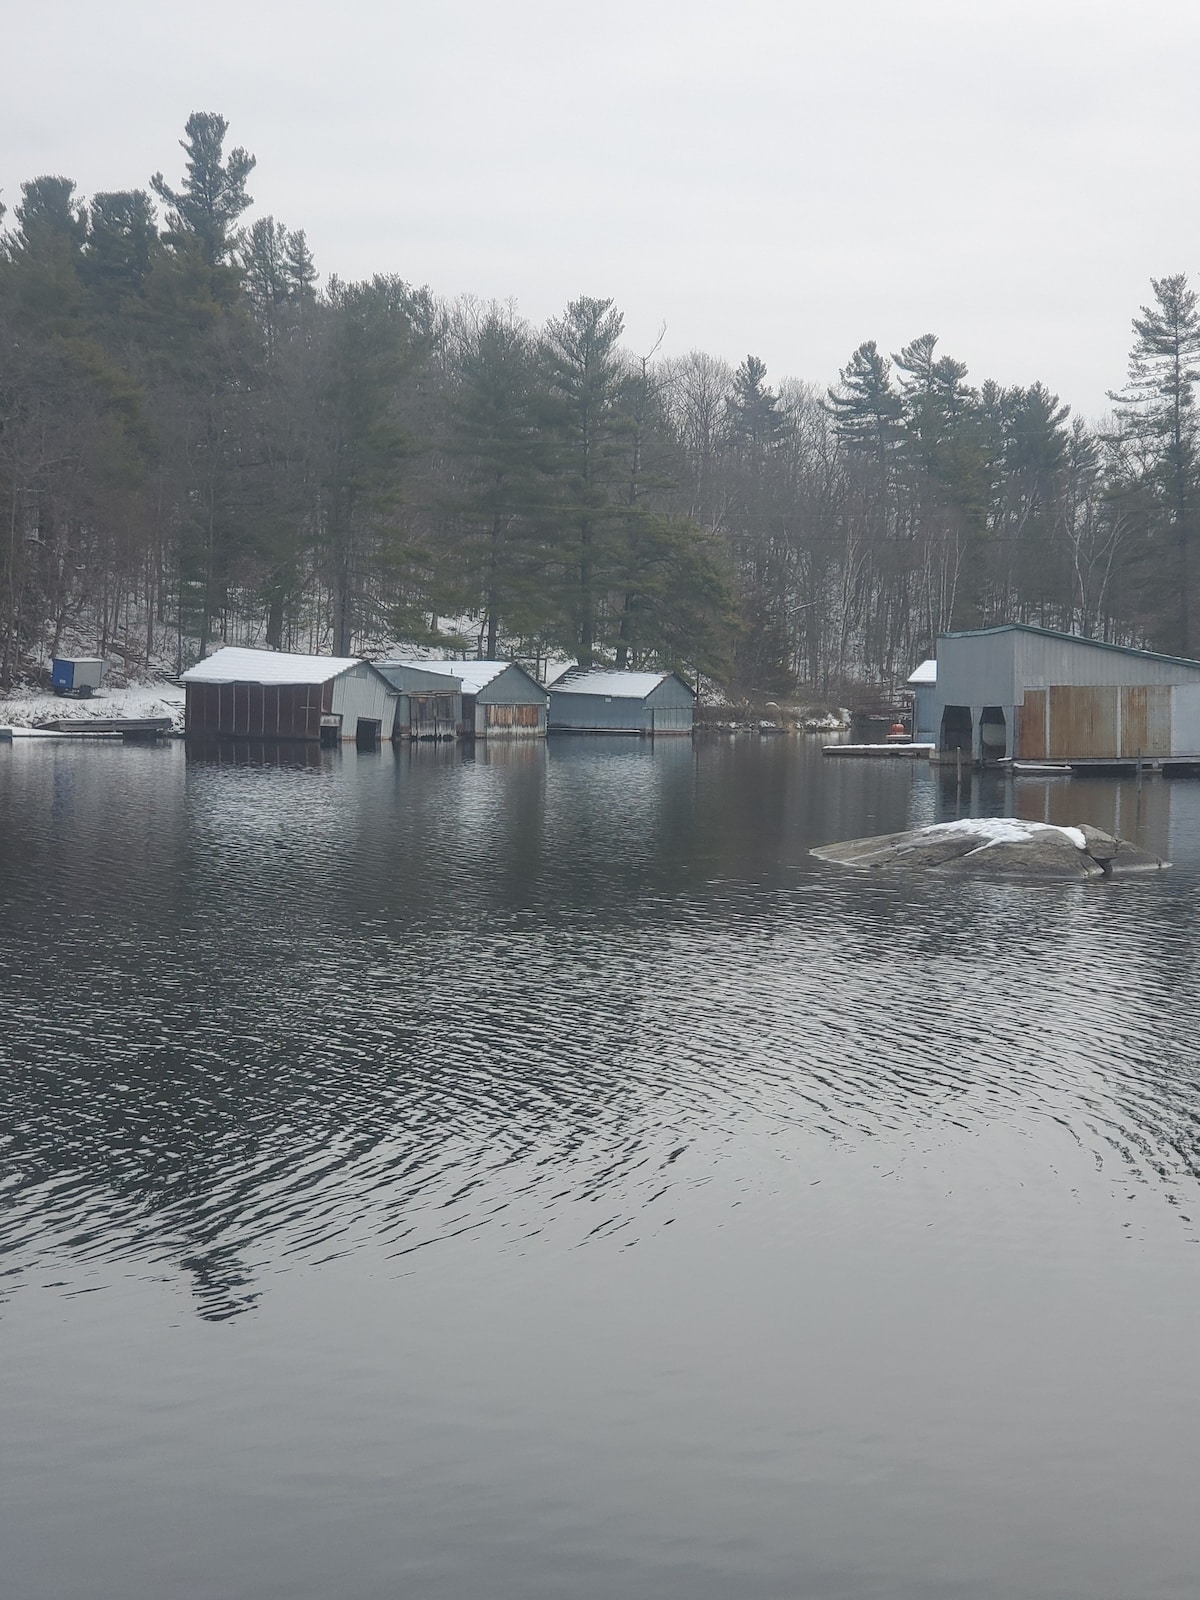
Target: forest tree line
{"type": "Point", "coordinates": [198, 444]}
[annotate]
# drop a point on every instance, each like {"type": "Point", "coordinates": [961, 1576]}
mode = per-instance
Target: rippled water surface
{"type": "Point", "coordinates": [528, 1173]}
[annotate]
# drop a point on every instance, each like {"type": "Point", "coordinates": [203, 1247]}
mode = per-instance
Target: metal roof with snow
{"type": "Point", "coordinates": [925, 673]}
{"type": "Point", "coordinates": [473, 675]}
{"type": "Point", "coordinates": [234, 664]}
{"type": "Point", "coordinates": [608, 681]}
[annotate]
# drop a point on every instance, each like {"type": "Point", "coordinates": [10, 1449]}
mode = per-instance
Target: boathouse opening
{"type": "Point", "coordinates": [993, 735]}
{"type": "Point", "coordinates": [956, 729]}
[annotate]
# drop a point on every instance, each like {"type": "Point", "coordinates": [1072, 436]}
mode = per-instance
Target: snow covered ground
{"type": "Point", "coordinates": [25, 708]}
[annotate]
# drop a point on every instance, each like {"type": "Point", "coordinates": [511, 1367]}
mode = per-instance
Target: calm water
{"type": "Point", "coordinates": [531, 1175]}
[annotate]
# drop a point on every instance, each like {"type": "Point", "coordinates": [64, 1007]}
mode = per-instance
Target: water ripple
{"type": "Point", "coordinates": [298, 1021]}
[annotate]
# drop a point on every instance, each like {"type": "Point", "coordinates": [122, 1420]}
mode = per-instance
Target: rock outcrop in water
{"type": "Point", "coordinates": [997, 847]}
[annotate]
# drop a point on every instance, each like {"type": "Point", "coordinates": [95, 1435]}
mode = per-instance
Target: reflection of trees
{"type": "Point", "coordinates": [256, 1011]}
{"type": "Point", "coordinates": [220, 1285]}
{"type": "Point", "coordinates": [294, 1003]}
{"type": "Point", "coordinates": [309, 1103]}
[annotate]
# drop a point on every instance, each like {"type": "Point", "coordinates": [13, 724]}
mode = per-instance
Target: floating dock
{"type": "Point", "coordinates": [1107, 767]}
{"type": "Point", "coordinates": [898, 751]}
{"type": "Point", "coordinates": [108, 727]}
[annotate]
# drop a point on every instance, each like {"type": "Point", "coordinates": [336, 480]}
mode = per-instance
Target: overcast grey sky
{"type": "Point", "coordinates": [785, 179]}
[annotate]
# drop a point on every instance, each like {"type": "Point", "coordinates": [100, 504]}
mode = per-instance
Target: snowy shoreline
{"type": "Point", "coordinates": [25, 708]}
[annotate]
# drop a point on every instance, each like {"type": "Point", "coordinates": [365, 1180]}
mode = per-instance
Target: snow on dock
{"type": "Point", "coordinates": [894, 751]}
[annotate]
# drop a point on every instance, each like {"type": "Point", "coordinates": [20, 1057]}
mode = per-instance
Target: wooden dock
{"type": "Point", "coordinates": [124, 727]}
{"type": "Point", "coordinates": [1107, 767]}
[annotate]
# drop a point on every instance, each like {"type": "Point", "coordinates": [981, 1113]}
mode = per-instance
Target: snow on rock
{"type": "Point", "coordinates": [997, 847]}
{"type": "Point", "coordinates": [1004, 830]}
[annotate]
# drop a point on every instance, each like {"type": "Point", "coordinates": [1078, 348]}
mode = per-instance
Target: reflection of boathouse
{"type": "Point", "coordinates": [1029, 694]}
{"type": "Point", "coordinates": [603, 700]}
{"type": "Point", "coordinates": [267, 694]}
{"type": "Point", "coordinates": [499, 698]}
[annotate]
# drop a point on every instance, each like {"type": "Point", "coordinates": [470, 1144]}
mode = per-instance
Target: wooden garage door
{"type": "Point", "coordinates": [511, 717]}
{"type": "Point", "coordinates": [1146, 721]}
{"type": "Point", "coordinates": [1083, 721]}
{"type": "Point", "coordinates": [1031, 726]}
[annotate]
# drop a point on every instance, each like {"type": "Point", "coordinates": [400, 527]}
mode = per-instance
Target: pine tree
{"type": "Point", "coordinates": [1158, 409]}
{"type": "Point", "coordinates": [752, 411]}
{"type": "Point", "coordinates": [122, 243]}
{"type": "Point", "coordinates": [213, 196]}
{"type": "Point", "coordinates": [368, 346]}
{"type": "Point", "coordinates": [584, 375]}
{"type": "Point", "coordinates": [865, 407]}
{"type": "Point", "coordinates": [499, 496]}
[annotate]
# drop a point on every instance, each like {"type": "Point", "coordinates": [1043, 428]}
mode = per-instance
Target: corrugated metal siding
{"type": "Point", "coordinates": [1185, 719]}
{"type": "Point", "coordinates": [1041, 662]}
{"type": "Point", "coordinates": [924, 721]}
{"type": "Point", "coordinates": [671, 701]}
{"type": "Point", "coordinates": [593, 713]}
{"type": "Point", "coordinates": [409, 676]}
{"type": "Point", "coordinates": [672, 692]}
{"type": "Point", "coordinates": [1010, 668]}
{"type": "Point", "coordinates": [976, 671]}
{"type": "Point", "coordinates": [362, 695]}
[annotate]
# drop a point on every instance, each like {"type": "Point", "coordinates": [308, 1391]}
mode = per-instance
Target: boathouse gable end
{"type": "Point", "coordinates": [512, 704]}
{"type": "Point", "coordinates": [604, 700]}
{"type": "Point", "coordinates": [499, 698]}
{"type": "Point", "coordinates": [429, 703]}
{"type": "Point", "coordinates": [1025, 693]}
{"type": "Point", "coordinates": [266, 694]}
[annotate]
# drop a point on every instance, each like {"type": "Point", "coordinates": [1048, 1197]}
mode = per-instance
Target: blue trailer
{"type": "Point", "coordinates": [77, 675]}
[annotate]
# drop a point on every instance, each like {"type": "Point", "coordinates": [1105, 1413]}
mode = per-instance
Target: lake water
{"type": "Point", "coordinates": [526, 1173]}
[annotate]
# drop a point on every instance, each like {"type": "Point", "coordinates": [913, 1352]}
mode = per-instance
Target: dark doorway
{"type": "Point", "coordinates": [956, 729]}
{"type": "Point", "coordinates": [367, 733]}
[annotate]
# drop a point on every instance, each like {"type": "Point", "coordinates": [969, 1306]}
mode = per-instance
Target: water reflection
{"type": "Point", "coordinates": [1140, 812]}
{"type": "Point", "coordinates": [204, 749]}
{"type": "Point", "coordinates": [272, 1011]}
